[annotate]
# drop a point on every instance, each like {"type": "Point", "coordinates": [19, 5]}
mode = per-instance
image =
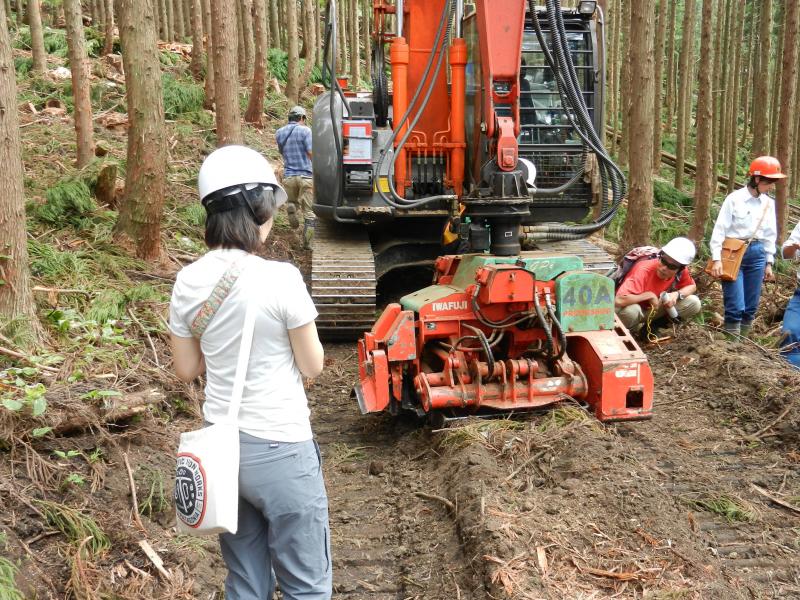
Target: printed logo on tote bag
{"type": "Point", "coordinates": [190, 489]}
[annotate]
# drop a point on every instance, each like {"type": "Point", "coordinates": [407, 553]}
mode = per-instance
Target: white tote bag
{"type": "Point", "coordinates": [207, 466]}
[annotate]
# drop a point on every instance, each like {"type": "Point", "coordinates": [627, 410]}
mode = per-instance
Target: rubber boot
{"type": "Point", "coordinates": [732, 330]}
{"type": "Point", "coordinates": [744, 329]}
{"type": "Point", "coordinates": [291, 212]}
{"type": "Point", "coordinates": [308, 232]}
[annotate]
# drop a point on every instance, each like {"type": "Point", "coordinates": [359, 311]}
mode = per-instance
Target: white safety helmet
{"type": "Point", "coordinates": [237, 168]}
{"type": "Point", "coordinates": [531, 178]}
{"type": "Point", "coordinates": [680, 249]}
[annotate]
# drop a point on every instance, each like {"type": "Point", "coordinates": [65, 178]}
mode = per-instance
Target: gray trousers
{"type": "Point", "coordinates": [283, 524]}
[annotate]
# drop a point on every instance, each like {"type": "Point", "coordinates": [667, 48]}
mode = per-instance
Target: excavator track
{"type": "Point", "coordinates": [343, 282]}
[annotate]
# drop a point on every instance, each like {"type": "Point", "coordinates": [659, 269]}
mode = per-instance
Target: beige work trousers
{"type": "Point", "coordinates": [301, 194]}
{"type": "Point", "coordinates": [633, 316]}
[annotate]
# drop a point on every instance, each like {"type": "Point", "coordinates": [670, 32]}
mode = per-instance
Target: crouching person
{"type": "Point", "coordinates": [660, 285]}
{"type": "Point", "coordinates": [790, 342]}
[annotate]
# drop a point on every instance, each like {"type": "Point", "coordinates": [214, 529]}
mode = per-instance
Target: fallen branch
{"type": "Point", "coordinates": [147, 334]}
{"type": "Point", "coordinates": [30, 361]}
{"type": "Point", "coordinates": [444, 501]}
{"type": "Point", "coordinates": [121, 408]}
{"type": "Point", "coordinates": [533, 458]}
{"type": "Point", "coordinates": [155, 559]}
{"type": "Point", "coordinates": [774, 499]}
{"type": "Point", "coordinates": [757, 435]}
{"type": "Point", "coordinates": [134, 499]}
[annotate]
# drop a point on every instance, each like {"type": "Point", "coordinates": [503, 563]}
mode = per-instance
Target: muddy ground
{"type": "Point", "coordinates": [699, 502]}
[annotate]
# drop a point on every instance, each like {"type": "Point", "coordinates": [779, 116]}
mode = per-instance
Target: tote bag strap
{"type": "Point", "coordinates": [244, 358]}
{"type": "Point", "coordinates": [210, 307]}
{"type": "Point", "coordinates": [760, 221]}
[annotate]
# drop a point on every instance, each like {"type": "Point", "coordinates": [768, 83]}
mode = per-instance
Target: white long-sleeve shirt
{"type": "Point", "coordinates": [739, 216]}
{"type": "Point", "coordinates": [794, 238]}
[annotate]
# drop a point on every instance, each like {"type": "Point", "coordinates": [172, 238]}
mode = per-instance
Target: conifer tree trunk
{"type": "Point", "coordinates": [366, 34]}
{"type": "Point", "coordinates": [625, 82]}
{"type": "Point", "coordinates": [16, 298]}
{"type": "Point", "coordinates": [616, 15]}
{"type": "Point", "coordinates": [670, 68]}
{"type": "Point", "coordinates": [163, 20]}
{"type": "Point", "coordinates": [226, 84]}
{"type": "Point", "coordinates": [208, 101]}
{"type": "Point", "coordinates": [658, 49]}
{"type": "Point", "coordinates": [187, 17]}
{"type": "Point", "coordinates": [247, 35]}
{"type": "Point", "coordinates": [795, 153]}
{"type": "Point", "coordinates": [308, 40]}
{"type": "Point", "coordinates": [684, 91]}
{"type": "Point", "coordinates": [170, 19]}
{"type": "Point", "coordinates": [640, 193]}
{"type": "Point", "coordinates": [274, 32]}
{"type": "Point", "coordinates": [255, 107]}
{"type": "Point", "coordinates": [108, 44]}
{"type": "Point", "coordinates": [141, 212]}
{"type": "Point", "coordinates": [101, 13]}
{"type": "Point", "coordinates": [785, 128]}
{"type": "Point", "coordinates": [341, 18]}
{"type": "Point", "coordinates": [37, 37]}
{"type": "Point", "coordinates": [292, 79]}
{"type": "Point", "coordinates": [76, 46]}
{"type": "Point", "coordinates": [355, 46]}
{"type": "Point", "coordinates": [775, 81]}
{"type": "Point", "coordinates": [705, 178]}
{"type": "Point", "coordinates": [198, 49]}
{"type": "Point", "coordinates": [9, 21]}
{"type": "Point", "coordinates": [747, 90]}
{"type": "Point", "coordinates": [241, 48]}
{"type": "Point", "coordinates": [177, 11]}
{"type": "Point", "coordinates": [761, 93]}
{"type": "Point", "coordinates": [735, 87]}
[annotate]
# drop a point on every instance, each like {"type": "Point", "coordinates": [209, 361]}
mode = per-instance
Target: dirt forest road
{"type": "Point", "coordinates": [559, 506]}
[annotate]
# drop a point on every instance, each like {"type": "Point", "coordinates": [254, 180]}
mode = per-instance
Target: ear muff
{"type": "Point", "coordinates": [223, 201]}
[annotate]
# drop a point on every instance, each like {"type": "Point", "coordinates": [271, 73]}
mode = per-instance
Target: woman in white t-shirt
{"type": "Point", "coordinates": [283, 529]}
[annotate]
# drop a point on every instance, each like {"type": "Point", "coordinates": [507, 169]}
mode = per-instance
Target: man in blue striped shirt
{"type": "Point", "coordinates": [294, 142]}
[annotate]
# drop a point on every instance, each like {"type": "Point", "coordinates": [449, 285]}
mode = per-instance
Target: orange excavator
{"type": "Point", "coordinates": [476, 156]}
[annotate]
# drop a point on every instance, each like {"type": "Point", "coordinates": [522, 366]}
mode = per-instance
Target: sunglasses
{"type": "Point", "coordinates": [671, 266]}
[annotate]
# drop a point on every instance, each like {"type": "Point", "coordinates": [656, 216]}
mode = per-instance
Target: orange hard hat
{"type": "Point", "coordinates": [766, 166]}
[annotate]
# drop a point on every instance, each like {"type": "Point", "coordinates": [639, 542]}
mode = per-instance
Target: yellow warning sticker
{"type": "Point", "coordinates": [383, 182]}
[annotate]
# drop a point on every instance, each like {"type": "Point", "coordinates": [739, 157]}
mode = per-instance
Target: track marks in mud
{"type": "Point", "coordinates": [387, 542]}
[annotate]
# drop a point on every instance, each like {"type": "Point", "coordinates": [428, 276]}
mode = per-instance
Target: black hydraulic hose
{"type": "Point", "coordinates": [543, 322]}
{"type": "Point", "coordinates": [398, 201]}
{"type": "Point", "coordinates": [562, 337]}
{"type": "Point", "coordinates": [572, 98]}
{"type": "Point", "coordinates": [487, 350]}
{"type": "Point", "coordinates": [330, 44]}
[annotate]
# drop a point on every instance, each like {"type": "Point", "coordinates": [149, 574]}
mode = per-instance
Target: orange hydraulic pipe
{"type": "Point", "coordinates": [399, 57]}
{"type": "Point", "coordinates": [458, 61]}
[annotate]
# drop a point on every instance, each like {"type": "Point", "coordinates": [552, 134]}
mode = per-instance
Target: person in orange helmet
{"type": "Point", "coordinates": [748, 214]}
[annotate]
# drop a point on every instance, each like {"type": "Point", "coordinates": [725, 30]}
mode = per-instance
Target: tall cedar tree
{"type": "Point", "coordinates": [735, 90]}
{"type": "Point", "coordinates": [684, 91]}
{"type": "Point", "coordinates": [784, 141]}
{"type": "Point", "coordinates": [352, 30]}
{"type": "Point", "coordinates": [226, 85]}
{"type": "Point", "coordinates": [625, 81]}
{"type": "Point", "coordinates": [613, 75]}
{"type": "Point", "coordinates": [141, 212]}
{"type": "Point", "coordinates": [658, 67]}
{"type": "Point", "coordinates": [255, 108]}
{"type": "Point", "coordinates": [705, 181]}
{"type": "Point", "coordinates": [309, 40]}
{"type": "Point", "coordinates": [761, 91]}
{"type": "Point", "coordinates": [293, 60]}
{"type": "Point", "coordinates": [196, 66]}
{"type": "Point", "coordinates": [81, 89]}
{"type": "Point", "coordinates": [640, 194]}
{"type": "Point", "coordinates": [37, 36]}
{"type": "Point", "coordinates": [670, 100]}
{"type": "Point", "coordinates": [108, 43]}
{"type": "Point", "coordinates": [208, 101]}
{"type": "Point", "coordinates": [16, 299]}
